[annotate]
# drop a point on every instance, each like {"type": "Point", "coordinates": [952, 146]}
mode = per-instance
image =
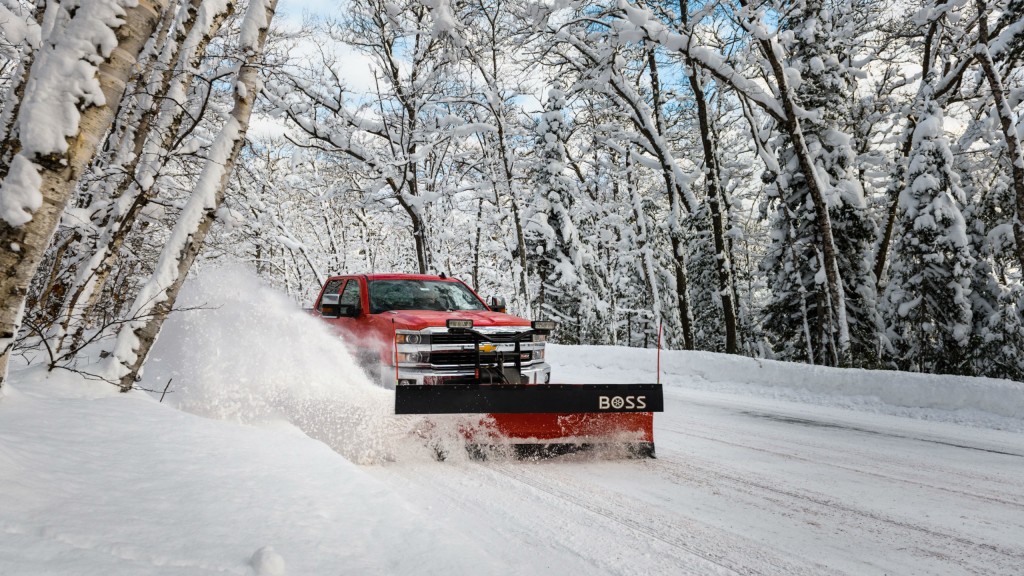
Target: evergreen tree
{"type": "Point", "coordinates": [554, 247]}
{"type": "Point", "coordinates": [799, 317]}
{"type": "Point", "coordinates": [929, 291]}
{"type": "Point", "coordinates": [997, 296]}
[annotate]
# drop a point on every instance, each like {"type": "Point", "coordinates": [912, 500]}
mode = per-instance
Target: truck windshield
{"type": "Point", "coordinates": [421, 295]}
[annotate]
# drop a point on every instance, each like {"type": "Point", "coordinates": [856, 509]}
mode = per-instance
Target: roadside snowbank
{"type": "Point", "coordinates": [981, 402]}
{"type": "Point", "coordinates": [96, 482]}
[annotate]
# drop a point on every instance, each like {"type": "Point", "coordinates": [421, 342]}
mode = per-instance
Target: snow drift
{"type": "Point", "coordinates": [244, 352]}
{"type": "Point", "coordinates": [98, 482]}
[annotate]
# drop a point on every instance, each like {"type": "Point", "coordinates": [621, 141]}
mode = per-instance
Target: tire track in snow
{"type": "Point", "coordinates": [706, 543]}
{"type": "Point", "coordinates": [499, 512]}
{"type": "Point", "coordinates": [935, 543]}
{"type": "Point", "coordinates": [1002, 500]}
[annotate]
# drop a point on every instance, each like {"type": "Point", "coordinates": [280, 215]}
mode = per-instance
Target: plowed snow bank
{"type": "Point", "coordinates": [982, 402]}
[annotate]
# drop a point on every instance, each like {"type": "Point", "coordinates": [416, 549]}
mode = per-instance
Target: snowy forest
{"type": "Point", "coordinates": [828, 182]}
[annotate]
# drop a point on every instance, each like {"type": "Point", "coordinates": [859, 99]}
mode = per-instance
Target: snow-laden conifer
{"type": "Point", "coordinates": [996, 348]}
{"type": "Point", "coordinates": [552, 238]}
{"type": "Point", "coordinates": [928, 300]}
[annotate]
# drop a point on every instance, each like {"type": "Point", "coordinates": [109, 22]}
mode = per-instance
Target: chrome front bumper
{"type": "Point", "coordinates": [537, 374]}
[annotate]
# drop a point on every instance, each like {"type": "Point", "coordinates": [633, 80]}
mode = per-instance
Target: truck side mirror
{"type": "Point", "coordinates": [329, 306]}
{"type": "Point", "coordinates": [497, 304]}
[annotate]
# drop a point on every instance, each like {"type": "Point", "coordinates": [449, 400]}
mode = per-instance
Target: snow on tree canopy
{"type": "Point", "coordinates": [20, 195]}
{"type": "Point", "coordinates": [64, 75]}
{"type": "Point", "coordinates": [17, 28]}
{"type": "Point", "coordinates": [63, 81]}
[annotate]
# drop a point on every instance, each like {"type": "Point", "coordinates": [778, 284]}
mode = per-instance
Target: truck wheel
{"type": "Point", "coordinates": [641, 449]}
{"type": "Point", "coordinates": [476, 452]}
{"type": "Point", "coordinates": [370, 364]}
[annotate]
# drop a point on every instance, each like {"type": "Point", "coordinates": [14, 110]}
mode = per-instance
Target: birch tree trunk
{"type": "Point", "coordinates": [158, 295]}
{"type": "Point", "coordinates": [1008, 124]}
{"type": "Point", "coordinates": [51, 170]}
{"type": "Point", "coordinates": [100, 252]}
{"type": "Point", "coordinates": [80, 245]}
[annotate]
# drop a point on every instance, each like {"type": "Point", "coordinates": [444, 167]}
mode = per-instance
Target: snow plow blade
{"type": "Point", "coordinates": [528, 398]}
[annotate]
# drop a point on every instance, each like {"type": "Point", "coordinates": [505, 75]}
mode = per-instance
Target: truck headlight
{"type": "Point", "coordinates": [413, 357]}
{"type": "Point", "coordinates": [538, 354]}
{"type": "Point", "coordinates": [412, 338]}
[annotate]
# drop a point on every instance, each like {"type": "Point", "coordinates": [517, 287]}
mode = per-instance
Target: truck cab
{"type": "Point", "coordinates": [397, 326]}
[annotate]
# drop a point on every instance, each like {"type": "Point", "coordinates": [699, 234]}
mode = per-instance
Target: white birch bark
{"type": "Point", "coordinates": [44, 173]}
{"type": "Point", "coordinates": [147, 151]}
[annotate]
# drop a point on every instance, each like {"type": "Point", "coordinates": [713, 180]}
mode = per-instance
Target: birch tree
{"type": "Point", "coordinates": [149, 137]}
{"type": "Point", "coordinates": [71, 97]}
{"type": "Point", "coordinates": [157, 297]}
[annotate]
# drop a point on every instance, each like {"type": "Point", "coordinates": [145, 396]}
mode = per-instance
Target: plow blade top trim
{"type": "Point", "coordinates": [527, 398]}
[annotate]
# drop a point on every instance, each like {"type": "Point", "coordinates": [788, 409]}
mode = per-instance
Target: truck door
{"type": "Point", "coordinates": [358, 329]}
{"type": "Point", "coordinates": [357, 326]}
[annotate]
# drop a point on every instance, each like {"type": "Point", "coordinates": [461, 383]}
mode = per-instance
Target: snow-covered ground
{"type": "Point", "coordinates": [272, 454]}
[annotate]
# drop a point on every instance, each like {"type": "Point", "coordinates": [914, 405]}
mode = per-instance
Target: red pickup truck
{"type": "Point", "coordinates": [444, 351]}
{"type": "Point", "coordinates": [403, 317]}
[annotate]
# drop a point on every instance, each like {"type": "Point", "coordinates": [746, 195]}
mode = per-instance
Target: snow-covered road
{"type": "Point", "coordinates": [273, 455]}
{"type": "Point", "coordinates": [748, 485]}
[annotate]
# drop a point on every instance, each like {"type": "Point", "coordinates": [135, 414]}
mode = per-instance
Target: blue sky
{"type": "Point", "coordinates": [293, 10]}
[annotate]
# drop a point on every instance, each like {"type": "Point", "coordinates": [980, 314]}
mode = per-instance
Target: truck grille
{"type": "Point", "coordinates": [449, 338]}
{"type": "Point", "coordinates": [463, 358]}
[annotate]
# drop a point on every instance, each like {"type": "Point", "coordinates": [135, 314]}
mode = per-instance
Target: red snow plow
{"type": "Point", "coordinates": [446, 352]}
{"type": "Point", "coordinates": [536, 418]}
